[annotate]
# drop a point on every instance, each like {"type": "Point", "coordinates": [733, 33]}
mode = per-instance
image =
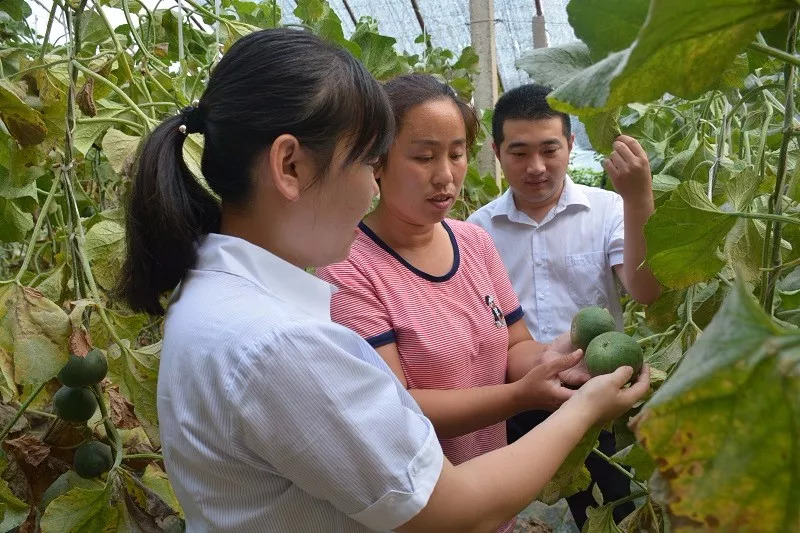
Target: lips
{"type": "Point", "coordinates": [441, 198]}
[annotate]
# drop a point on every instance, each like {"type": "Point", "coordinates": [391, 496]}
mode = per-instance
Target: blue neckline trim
{"type": "Point", "coordinates": [424, 275]}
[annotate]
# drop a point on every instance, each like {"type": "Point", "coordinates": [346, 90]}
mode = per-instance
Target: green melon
{"type": "Point", "coordinates": [92, 459]}
{"type": "Point", "coordinates": [84, 371]}
{"type": "Point", "coordinates": [74, 404]}
{"type": "Point", "coordinates": [611, 350]}
{"type": "Point", "coordinates": [588, 323]}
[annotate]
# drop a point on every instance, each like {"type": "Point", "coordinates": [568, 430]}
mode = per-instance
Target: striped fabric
{"type": "Point", "coordinates": [448, 329]}
{"type": "Point", "coordinates": [275, 419]}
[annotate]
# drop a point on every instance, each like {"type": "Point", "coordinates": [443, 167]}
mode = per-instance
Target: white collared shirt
{"type": "Point", "coordinates": [272, 417]}
{"type": "Point", "coordinates": [564, 262]}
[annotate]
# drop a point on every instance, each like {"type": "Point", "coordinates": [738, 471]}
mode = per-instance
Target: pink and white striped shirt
{"type": "Point", "coordinates": [451, 331]}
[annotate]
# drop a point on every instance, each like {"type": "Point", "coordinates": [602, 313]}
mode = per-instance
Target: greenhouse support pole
{"type": "Point", "coordinates": [539, 30]}
{"type": "Point", "coordinates": [481, 14]}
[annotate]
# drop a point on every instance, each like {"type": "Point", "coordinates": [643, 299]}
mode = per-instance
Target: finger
{"type": "Point", "coordinates": [610, 167]}
{"type": "Point", "coordinates": [561, 395]}
{"type": "Point", "coordinates": [563, 362]}
{"type": "Point", "coordinates": [633, 145]}
{"type": "Point", "coordinates": [619, 162]}
{"type": "Point", "coordinates": [641, 386]}
{"type": "Point", "coordinates": [624, 151]}
{"type": "Point", "coordinates": [621, 376]}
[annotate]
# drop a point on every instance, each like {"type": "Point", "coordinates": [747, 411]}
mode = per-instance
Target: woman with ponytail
{"type": "Point", "coordinates": [272, 417]}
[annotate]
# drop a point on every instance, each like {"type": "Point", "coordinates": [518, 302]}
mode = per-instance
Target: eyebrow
{"type": "Point", "coordinates": [522, 144]}
{"type": "Point", "coordinates": [431, 142]}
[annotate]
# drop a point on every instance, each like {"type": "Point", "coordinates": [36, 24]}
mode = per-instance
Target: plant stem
{"type": "Point", "coordinates": [111, 120]}
{"type": "Point", "coordinates": [37, 229]}
{"type": "Point", "coordinates": [657, 335]}
{"type": "Point", "coordinates": [776, 200]}
{"type": "Point", "coordinates": [623, 471]}
{"type": "Point", "coordinates": [786, 57]}
{"type": "Point", "coordinates": [47, 30]}
{"type": "Point", "coordinates": [21, 410]}
{"type": "Point", "coordinates": [111, 431]}
{"type": "Point", "coordinates": [766, 216]}
{"type": "Point", "coordinates": [153, 456]}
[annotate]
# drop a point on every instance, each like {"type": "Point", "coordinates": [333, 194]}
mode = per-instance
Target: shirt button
{"type": "Point", "coordinates": [541, 296]}
{"type": "Point", "coordinates": [538, 261]}
{"type": "Point", "coordinates": [415, 470]}
{"type": "Point", "coordinates": [544, 329]}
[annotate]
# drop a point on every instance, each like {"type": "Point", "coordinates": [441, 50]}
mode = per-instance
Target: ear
{"type": "Point", "coordinates": [290, 167]}
{"type": "Point", "coordinates": [570, 142]}
{"type": "Point", "coordinates": [496, 150]}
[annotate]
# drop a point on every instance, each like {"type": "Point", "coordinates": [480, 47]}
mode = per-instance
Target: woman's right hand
{"type": "Point", "coordinates": [603, 398]}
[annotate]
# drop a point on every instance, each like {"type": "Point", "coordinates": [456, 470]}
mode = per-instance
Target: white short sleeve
{"type": "Point", "coordinates": [316, 404]}
{"type": "Point", "coordinates": [616, 232]}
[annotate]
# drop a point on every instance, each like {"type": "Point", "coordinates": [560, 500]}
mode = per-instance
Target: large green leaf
{"type": "Point", "coordinates": [120, 149]}
{"type": "Point", "coordinates": [325, 23]}
{"type": "Point", "coordinates": [24, 123]}
{"type": "Point", "coordinates": [105, 248]}
{"type": "Point", "coordinates": [683, 236]}
{"type": "Point", "coordinates": [34, 335]}
{"type": "Point", "coordinates": [136, 373]}
{"type": "Point", "coordinates": [602, 129]}
{"type": "Point", "coordinates": [683, 48]}
{"type": "Point", "coordinates": [725, 428]}
{"type": "Point", "coordinates": [555, 65]}
{"type": "Point", "coordinates": [607, 25]}
{"type": "Point", "coordinates": [572, 476]}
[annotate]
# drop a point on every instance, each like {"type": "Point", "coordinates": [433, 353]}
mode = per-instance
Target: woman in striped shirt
{"type": "Point", "coordinates": [431, 295]}
{"type": "Point", "coordinates": [272, 417]}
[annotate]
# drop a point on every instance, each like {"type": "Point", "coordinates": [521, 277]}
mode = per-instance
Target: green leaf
{"type": "Point", "coordinates": [683, 48]}
{"type": "Point", "coordinates": [16, 9]}
{"type": "Point", "coordinates": [127, 326]}
{"type": "Point", "coordinates": [607, 25]}
{"type": "Point", "coordinates": [378, 54]}
{"type": "Point", "coordinates": [725, 428]}
{"type": "Point", "coordinates": [24, 123]}
{"type": "Point", "coordinates": [602, 129]}
{"type": "Point", "coordinates": [572, 476]}
{"type": "Point", "coordinates": [14, 222]}
{"type": "Point", "coordinates": [34, 335]}
{"type": "Point", "coordinates": [66, 482]}
{"type": "Point", "coordinates": [662, 313]}
{"type": "Point", "coordinates": [600, 520]}
{"type": "Point", "coordinates": [666, 357]}
{"type": "Point", "coordinates": [637, 458]}
{"type": "Point", "coordinates": [683, 236]}
{"type": "Point", "coordinates": [105, 248]}
{"type": "Point", "coordinates": [54, 285]}
{"type": "Point", "coordinates": [82, 509]}
{"type": "Point", "coordinates": [325, 23]}
{"type": "Point", "coordinates": [136, 373]}
{"type": "Point", "coordinates": [743, 249]}
{"type": "Point", "coordinates": [555, 65]}
{"type": "Point", "coordinates": [120, 149]}
{"type": "Point", "coordinates": [663, 185]}
{"type": "Point", "coordinates": [647, 518]}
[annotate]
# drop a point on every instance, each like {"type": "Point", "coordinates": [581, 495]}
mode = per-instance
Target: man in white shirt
{"type": "Point", "coordinates": [565, 245]}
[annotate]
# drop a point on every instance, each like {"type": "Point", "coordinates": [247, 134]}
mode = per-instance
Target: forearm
{"type": "Point", "coordinates": [482, 493]}
{"type": "Point", "coordinates": [640, 283]}
{"type": "Point", "coordinates": [460, 411]}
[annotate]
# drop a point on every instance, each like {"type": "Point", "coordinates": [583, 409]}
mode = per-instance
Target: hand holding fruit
{"type": "Point", "coordinates": [541, 387]}
{"type": "Point", "coordinates": [629, 170]}
{"type": "Point", "coordinates": [603, 398]}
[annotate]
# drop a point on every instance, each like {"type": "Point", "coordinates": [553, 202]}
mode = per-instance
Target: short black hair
{"type": "Point", "coordinates": [527, 102]}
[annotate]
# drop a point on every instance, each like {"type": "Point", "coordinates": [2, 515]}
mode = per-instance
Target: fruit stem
{"type": "Point", "coordinates": [657, 335]}
{"type": "Point", "coordinates": [622, 470]}
{"type": "Point", "coordinates": [22, 408]}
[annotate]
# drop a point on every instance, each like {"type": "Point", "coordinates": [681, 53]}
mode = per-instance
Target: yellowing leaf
{"type": "Point", "coordinates": [34, 338]}
{"type": "Point", "coordinates": [120, 149]}
{"type": "Point", "coordinates": [24, 123]}
{"type": "Point", "coordinates": [572, 476]}
{"type": "Point", "coordinates": [725, 428]}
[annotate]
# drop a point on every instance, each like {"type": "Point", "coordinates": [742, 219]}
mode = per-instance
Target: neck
{"type": "Point", "coordinates": [243, 224]}
{"type": "Point", "coordinates": [537, 210]}
{"type": "Point", "coordinates": [398, 233]}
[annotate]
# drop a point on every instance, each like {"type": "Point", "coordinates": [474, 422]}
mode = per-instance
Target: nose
{"type": "Point", "coordinates": [444, 174]}
{"type": "Point", "coordinates": [536, 165]}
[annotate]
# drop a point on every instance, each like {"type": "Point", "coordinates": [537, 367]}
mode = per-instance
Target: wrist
{"type": "Point", "coordinates": [580, 412]}
{"type": "Point", "coordinates": [639, 205]}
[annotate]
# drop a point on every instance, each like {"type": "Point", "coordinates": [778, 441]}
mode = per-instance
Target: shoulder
{"type": "Point", "coordinates": [483, 216]}
{"type": "Point", "coordinates": [599, 197]}
{"type": "Point", "coordinates": [364, 258]}
{"type": "Point", "coordinates": [468, 232]}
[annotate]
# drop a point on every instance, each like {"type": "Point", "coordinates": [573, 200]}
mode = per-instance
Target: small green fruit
{"type": "Point", "coordinates": [611, 350]}
{"type": "Point", "coordinates": [74, 404]}
{"type": "Point", "coordinates": [92, 459]}
{"type": "Point", "coordinates": [588, 323]}
{"type": "Point", "coordinates": [84, 371]}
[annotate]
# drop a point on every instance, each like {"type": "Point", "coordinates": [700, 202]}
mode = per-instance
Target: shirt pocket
{"type": "Point", "coordinates": [586, 278]}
